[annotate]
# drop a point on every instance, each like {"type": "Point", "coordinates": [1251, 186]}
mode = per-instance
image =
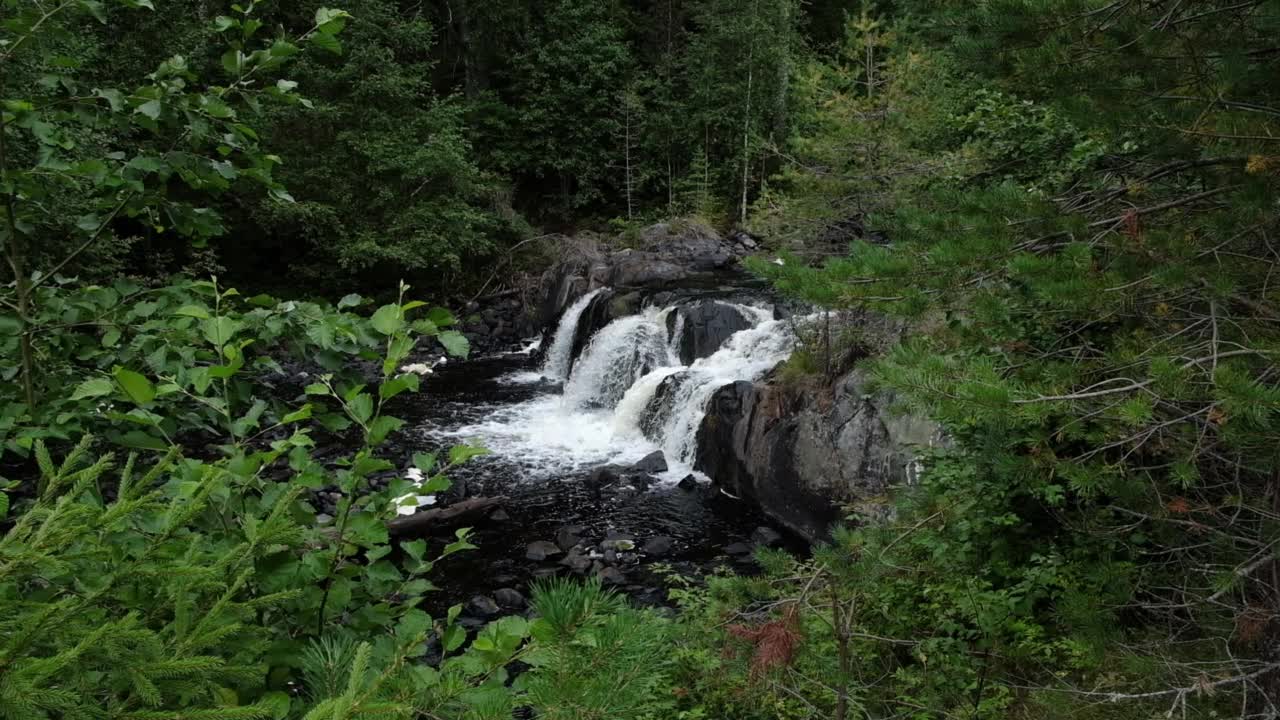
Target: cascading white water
{"type": "Point", "coordinates": [747, 355]}
{"type": "Point", "coordinates": [619, 355]}
{"type": "Point", "coordinates": [560, 356]}
{"type": "Point", "coordinates": [608, 399]}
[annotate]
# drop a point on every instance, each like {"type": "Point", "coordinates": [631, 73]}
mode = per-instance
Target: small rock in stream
{"type": "Point", "coordinates": [738, 548]}
{"type": "Point", "coordinates": [499, 516]}
{"type": "Point", "coordinates": [688, 482]}
{"type": "Point", "coordinates": [658, 546]}
{"type": "Point", "coordinates": [766, 537]}
{"type": "Point", "coordinates": [653, 463]}
{"type": "Point", "coordinates": [509, 598]}
{"type": "Point", "coordinates": [619, 543]}
{"type": "Point", "coordinates": [541, 550]}
{"type": "Point", "coordinates": [568, 536]}
{"type": "Point", "coordinates": [577, 562]}
{"type": "Point", "coordinates": [611, 576]}
{"type": "Point", "coordinates": [483, 606]}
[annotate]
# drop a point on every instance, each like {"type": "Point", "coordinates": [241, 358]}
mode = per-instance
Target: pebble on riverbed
{"type": "Point", "coordinates": [541, 550]}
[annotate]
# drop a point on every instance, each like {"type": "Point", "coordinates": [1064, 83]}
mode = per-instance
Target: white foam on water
{"type": "Point", "coordinates": [560, 356]}
{"type": "Point", "coordinates": [619, 355]}
{"type": "Point", "coordinates": [598, 418]}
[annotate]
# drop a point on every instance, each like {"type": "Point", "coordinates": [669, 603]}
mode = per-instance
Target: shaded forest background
{"type": "Point", "coordinates": [445, 131]}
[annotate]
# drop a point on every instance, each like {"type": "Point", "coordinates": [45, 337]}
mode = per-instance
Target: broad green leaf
{"type": "Point", "coordinates": [331, 20]}
{"type": "Point", "coordinates": [317, 389]}
{"type": "Point", "coordinates": [150, 108]}
{"type": "Point", "coordinates": [416, 549]}
{"type": "Point", "coordinates": [302, 413]}
{"type": "Point", "coordinates": [436, 484]}
{"type": "Point", "coordinates": [325, 41]}
{"type": "Point", "coordinates": [233, 61]}
{"type": "Point", "coordinates": [94, 387]}
{"type": "Point", "coordinates": [440, 317]}
{"type": "Point", "coordinates": [136, 386]}
{"type": "Point", "coordinates": [414, 623]}
{"type": "Point", "coordinates": [397, 385]}
{"type": "Point", "coordinates": [425, 462]}
{"type": "Point", "coordinates": [220, 330]}
{"type": "Point", "coordinates": [382, 427]}
{"type": "Point", "coordinates": [142, 441]}
{"type": "Point", "coordinates": [453, 638]}
{"type": "Point", "coordinates": [361, 407]}
{"type": "Point", "coordinates": [4, 506]}
{"type": "Point", "coordinates": [455, 343]}
{"type": "Point", "coordinates": [194, 311]}
{"type": "Point", "coordinates": [352, 300]}
{"type": "Point", "coordinates": [388, 320]}
{"type": "Point", "coordinates": [459, 454]}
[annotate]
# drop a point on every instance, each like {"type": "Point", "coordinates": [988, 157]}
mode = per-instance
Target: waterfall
{"type": "Point", "coordinates": [560, 356]}
{"type": "Point", "coordinates": [628, 393]}
{"type": "Point", "coordinates": [747, 355]}
{"type": "Point", "coordinates": [623, 352]}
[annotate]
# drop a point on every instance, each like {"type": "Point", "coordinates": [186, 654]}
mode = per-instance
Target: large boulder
{"type": "Point", "coordinates": [800, 453]}
{"type": "Point", "coordinates": [701, 328]}
{"type": "Point", "coordinates": [669, 255]}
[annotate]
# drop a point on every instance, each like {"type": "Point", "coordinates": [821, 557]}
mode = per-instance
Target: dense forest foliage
{"type": "Point", "coordinates": [1072, 205]}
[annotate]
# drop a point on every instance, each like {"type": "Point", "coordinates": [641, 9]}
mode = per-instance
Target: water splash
{"type": "Point", "coordinates": [606, 413]}
{"type": "Point", "coordinates": [560, 356]}
{"type": "Point", "coordinates": [747, 355]}
{"type": "Point", "coordinates": [623, 352]}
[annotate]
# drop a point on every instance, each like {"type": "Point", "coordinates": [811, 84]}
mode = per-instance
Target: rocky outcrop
{"type": "Point", "coordinates": [801, 455]}
{"type": "Point", "coordinates": [703, 326]}
{"type": "Point", "coordinates": [668, 255]}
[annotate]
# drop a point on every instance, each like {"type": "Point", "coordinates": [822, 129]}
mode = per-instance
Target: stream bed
{"type": "Point", "coordinates": [565, 433]}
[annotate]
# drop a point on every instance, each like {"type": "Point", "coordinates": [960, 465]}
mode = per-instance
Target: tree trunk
{"type": "Point", "coordinates": [14, 254]}
{"type": "Point", "coordinates": [746, 118]}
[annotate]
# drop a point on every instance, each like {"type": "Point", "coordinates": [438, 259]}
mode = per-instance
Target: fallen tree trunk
{"type": "Point", "coordinates": [445, 517]}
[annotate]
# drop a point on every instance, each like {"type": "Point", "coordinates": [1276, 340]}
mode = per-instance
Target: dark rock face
{"type": "Point", "coordinates": [510, 599]}
{"type": "Point", "coordinates": [658, 546]}
{"type": "Point", "coordinates": [661, 405]}
{"type": "Point", "coordinates": [483, 606]}
{"type": "Point", "coordinates": [653, 463]}
{"type": "Point", "coordinates": [541, 550]}
{"type": "Point", "coordinates": [670, 255]}
{"type": "Point", "coordinates": [800, 453]}
{"type": "Point", "coordinates": [703, 327]}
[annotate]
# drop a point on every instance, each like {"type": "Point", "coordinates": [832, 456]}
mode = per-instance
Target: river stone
{"type": "Point", "coordinates": [499, 515]}
{"type": "Point", "coordinates": [541, 550]}
{"type": "Point", "coordinates": [704, 326]}
{"type": "Point", "coordinates": [568, 536]}
{"type": "Point", "coordinates": [801, 455]}
{"type": "Point", "coordinates": [577, 562]}
{"type": "Point", "coordinates": [603, 476]}
{"type": "Point", "coordinates": [482, 606]}
{"type": "Point", "coordinates": [738, 548]}
{"type": "Point", "coordinates": [509, 598]}
{"type": "Point", "coordinates": [766, 537]}
{"type": "Point", "coordinates": [611, 576]}
{"type": "Point", "coordinates": [688, 483]}
{"type": "Point", "coordinates": [614, 540]}
{"type": "Point", "coordinates": [653, 463]}
{"type": "Point", "coordinates": [658, 546]}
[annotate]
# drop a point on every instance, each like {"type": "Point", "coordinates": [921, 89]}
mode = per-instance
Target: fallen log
{"type": "Point", "coordinates": [445, 517]}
